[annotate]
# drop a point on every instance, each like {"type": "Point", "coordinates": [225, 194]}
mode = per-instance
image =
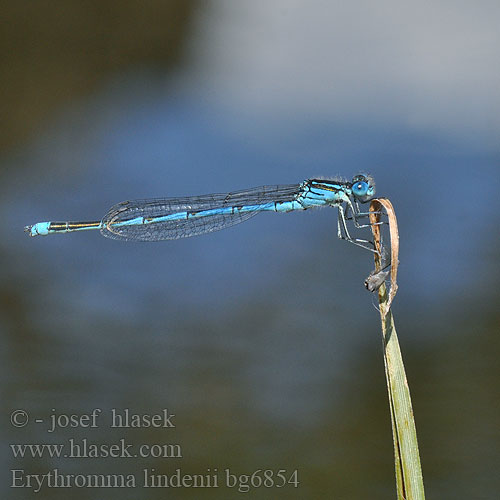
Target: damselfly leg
{"type": "Point", "coordinates": [358, 214]}
{"type": "Point", "coordinates": [343, 231]}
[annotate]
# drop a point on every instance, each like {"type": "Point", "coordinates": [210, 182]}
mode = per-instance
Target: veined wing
{"type": "Point", "coordinates": [173, 218]}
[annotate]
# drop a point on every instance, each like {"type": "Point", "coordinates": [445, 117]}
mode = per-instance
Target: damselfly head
{"type": "Point", "coordinates": [363, 188]}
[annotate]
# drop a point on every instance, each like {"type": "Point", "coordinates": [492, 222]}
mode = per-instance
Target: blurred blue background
{"type": "Point", "coordinates": [261, 338]}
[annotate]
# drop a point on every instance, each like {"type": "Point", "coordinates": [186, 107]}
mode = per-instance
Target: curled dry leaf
{"type": "Point", "coordinates": [376, 206]}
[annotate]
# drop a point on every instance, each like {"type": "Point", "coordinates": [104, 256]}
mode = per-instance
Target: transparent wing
{"type": "Point", "coordinates": [185, 227]}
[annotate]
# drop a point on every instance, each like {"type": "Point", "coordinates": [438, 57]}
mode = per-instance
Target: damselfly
{"type": "Point", "coordinates": [172, 218]}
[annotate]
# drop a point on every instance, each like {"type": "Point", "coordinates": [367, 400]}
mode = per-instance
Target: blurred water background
{"type": "Point", "coordinates": [261, 338]}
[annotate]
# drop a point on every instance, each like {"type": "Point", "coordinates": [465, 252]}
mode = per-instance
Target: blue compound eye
{"type": "Point", "coordinates": [360, 189]}
{"type": "Point", "coordinates": [363, 188]}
